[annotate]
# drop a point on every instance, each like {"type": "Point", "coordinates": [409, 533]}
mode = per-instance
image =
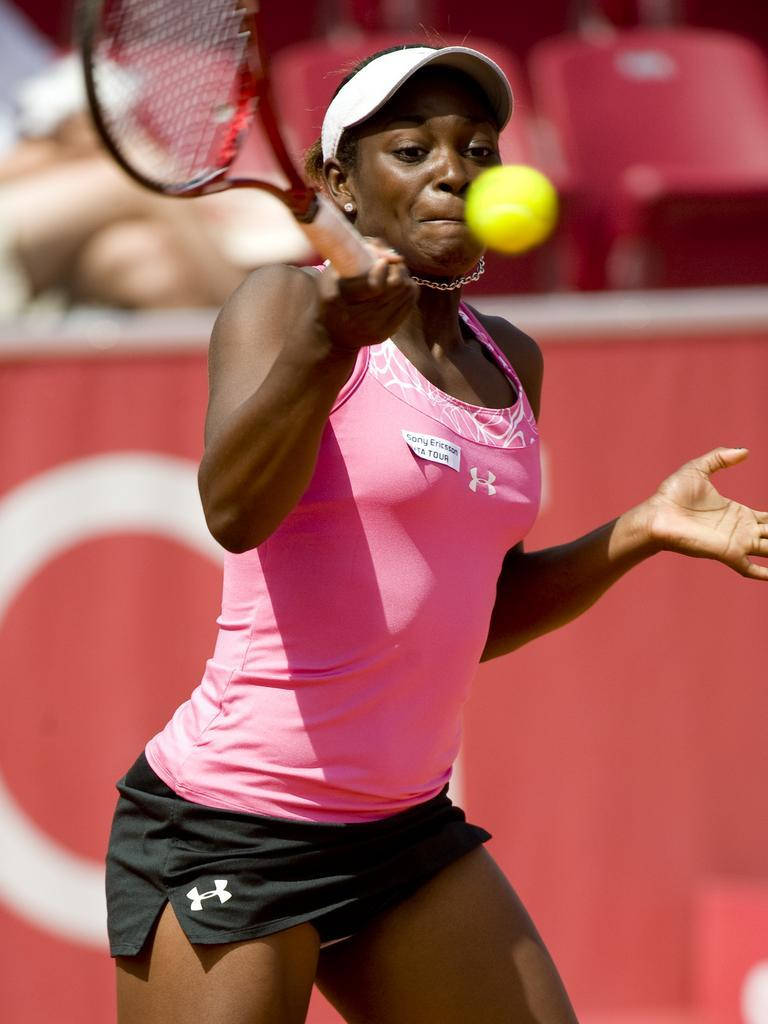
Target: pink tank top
{"type": "Point", "coordinates": [349, 638]}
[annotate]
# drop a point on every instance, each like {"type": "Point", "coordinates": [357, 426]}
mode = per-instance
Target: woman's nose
{"type": "Point", "coordinates": [451, 173]}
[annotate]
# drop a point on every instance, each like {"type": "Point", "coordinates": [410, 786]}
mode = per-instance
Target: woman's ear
{"type": "Point", "coordinates": [338, 184]}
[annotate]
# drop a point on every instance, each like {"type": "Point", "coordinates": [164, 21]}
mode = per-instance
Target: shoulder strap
{"type": "Point", "coordinates": [485, 339]}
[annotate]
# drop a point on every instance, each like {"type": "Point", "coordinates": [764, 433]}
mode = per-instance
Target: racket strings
{"type": "Point", "coordinates": [239, 122]}
{"type": "Point", "coordinates": [172, 85]}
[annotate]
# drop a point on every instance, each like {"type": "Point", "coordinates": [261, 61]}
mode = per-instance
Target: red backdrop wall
{"type": "Point", "coordinates": [620, 763]}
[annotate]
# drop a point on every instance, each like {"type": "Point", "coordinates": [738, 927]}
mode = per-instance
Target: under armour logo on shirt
{"type": "Point", "coordinates": [220, 891]}
{"type": "Point", "coordinates": [479, 481]}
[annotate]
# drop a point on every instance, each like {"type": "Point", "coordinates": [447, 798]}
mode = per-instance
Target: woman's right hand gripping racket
{"type": "Point", "coordinates": [174, 87]}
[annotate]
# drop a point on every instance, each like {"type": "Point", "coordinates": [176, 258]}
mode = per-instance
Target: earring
{"type": "Point", "coordinates": [349, 207]}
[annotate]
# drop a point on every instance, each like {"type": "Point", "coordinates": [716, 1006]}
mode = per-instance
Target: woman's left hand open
{"type": "Point", "coordinates": [690, 516]}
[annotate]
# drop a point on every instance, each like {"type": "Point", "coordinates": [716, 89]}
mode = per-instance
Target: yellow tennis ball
{"type": "Point", "coordinates": [511, 208]}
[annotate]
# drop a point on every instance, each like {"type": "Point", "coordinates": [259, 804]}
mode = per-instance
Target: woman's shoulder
{"type": "Point", "coordinates": [267, 296]}
{"type": "Point", "coordinates": [275, 278]}
{"type": "Point", "coordinates": [521, 350]}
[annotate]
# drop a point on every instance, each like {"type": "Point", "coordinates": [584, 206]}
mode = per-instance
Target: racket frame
{"type": "Point", "coordinates": [299, 197]}
{"type": "Point", "coordinates": [328, 230]}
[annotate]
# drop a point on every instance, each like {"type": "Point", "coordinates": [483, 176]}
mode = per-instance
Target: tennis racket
{"type": "Point", "coordinates": [174, 87]}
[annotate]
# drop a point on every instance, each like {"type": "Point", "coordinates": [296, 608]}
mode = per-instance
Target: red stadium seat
{"type": "Point", "coordinates": [280, 22]}
{"type": "Point", "coordinates": [517, 26]}
{"type": "Point", "coordinates": [746, 17]}
{"type": "Point", "coordinates": [52, 17]}
{"type": "Point", "coordinates": [305, 77]}
{"type": "Point", "coordinates": [622, 13]}
{"type": "Point", "coordinates": [664, 136]}
{"type": "Point", "coordinates": [743, 17]}
{"type": "Point", "coordinates": [284, 25]}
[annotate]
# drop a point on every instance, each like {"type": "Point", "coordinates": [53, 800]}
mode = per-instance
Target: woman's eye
{"type": "Point", "coordinates": [484, 153]}
{"type": "Point", "coordinates": [409, 154]}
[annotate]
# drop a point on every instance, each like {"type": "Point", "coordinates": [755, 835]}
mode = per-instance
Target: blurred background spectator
{"type": "Point", "coordinates": [75, 229]}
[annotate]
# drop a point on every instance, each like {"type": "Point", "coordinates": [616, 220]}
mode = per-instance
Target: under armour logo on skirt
{"type": "Point", "coordinates": [220, 891]}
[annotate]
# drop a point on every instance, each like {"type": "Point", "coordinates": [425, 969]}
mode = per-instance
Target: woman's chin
{"type": "Point", "coordinates": [446, 262]}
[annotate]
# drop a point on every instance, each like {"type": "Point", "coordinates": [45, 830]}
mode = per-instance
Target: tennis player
{"type": "Point", "coordinates": [371, 468]}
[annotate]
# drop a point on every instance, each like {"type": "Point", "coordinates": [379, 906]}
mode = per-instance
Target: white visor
{"type": "Point", "coordinates": [380, 79]}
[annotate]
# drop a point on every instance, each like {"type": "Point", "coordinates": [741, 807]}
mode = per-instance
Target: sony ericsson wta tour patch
{"type": "Point", "coordinates": [435, 449]}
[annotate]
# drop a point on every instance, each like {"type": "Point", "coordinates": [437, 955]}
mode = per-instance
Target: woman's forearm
{"type": "Point", "coordinates": [543, 590]}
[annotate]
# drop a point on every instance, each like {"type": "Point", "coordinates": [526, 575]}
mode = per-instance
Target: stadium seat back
{"type": "Point", "coordinates": [746, 17]}
{"type": "Point", "coordinates": [672, 117]}
{"type": "Point", "coordinates": [517, 26]}
{"type": "Point", "coordinates": [623, 13]}
{"type": "Point", "coordinates": [661, 97]}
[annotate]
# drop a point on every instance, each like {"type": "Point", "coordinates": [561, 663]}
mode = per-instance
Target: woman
{"type": "Point", "coordinates": [371, 466]}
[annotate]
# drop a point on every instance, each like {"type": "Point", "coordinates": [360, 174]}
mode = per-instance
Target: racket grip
{"type": "Point", "coordinates": [335, 239]}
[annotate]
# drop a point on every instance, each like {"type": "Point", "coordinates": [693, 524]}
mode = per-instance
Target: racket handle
{"type": "Point", "coordinates": [335, 239]}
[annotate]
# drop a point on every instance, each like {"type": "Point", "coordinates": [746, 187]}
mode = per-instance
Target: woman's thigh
{"type": "Point", "coordinates": [261, 981]}
{"type": "Point", "coordinates": [462, 950]}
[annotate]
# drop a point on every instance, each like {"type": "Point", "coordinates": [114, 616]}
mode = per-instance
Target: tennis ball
{"type": "Point", "coordinates": [511, 208]}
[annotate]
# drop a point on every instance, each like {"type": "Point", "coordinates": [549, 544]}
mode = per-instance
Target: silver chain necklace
{"type": "Point", "coordinates": [456, 282]}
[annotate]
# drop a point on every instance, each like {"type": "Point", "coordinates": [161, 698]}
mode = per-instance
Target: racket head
{"type": "Point", "coordinates": [174, 87]}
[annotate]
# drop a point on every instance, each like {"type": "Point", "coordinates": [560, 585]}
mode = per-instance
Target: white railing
{"type": "Point", "coordinates": [577, 316]}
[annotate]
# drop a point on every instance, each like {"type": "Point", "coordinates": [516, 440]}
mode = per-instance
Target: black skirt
{"type": "Point", "coordinates": [231, 876]}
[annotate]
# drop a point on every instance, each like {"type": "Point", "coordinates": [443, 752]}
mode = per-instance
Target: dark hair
{"type": "Point", "coordinates": [346, 152]}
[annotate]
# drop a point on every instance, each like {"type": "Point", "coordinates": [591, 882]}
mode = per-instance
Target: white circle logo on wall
{"type": "Point", "coordinates": [754, 995]}
{"type": "Point", "coordinates": [143, 492]}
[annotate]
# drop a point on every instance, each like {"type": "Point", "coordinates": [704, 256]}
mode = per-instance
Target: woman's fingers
{"type": "Point", "coordinates": [397, 275]}
{"type": "Point", "coordinates": [387, 272]}
{"type": "Point", "coordinates": [377, 275]}
{"type": "Point", "coordinates": [755, 571]}
{"type": "Point", "coordinates": [391, 276]}
{"type": "Point", "coordinates": [758, 549]}
{"type": "Point", "coordinates": [719, 458]}
{"type": "Point", "coordinates": [366, 309]}
{"type": "Point", "coordinates": [379, 248]}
